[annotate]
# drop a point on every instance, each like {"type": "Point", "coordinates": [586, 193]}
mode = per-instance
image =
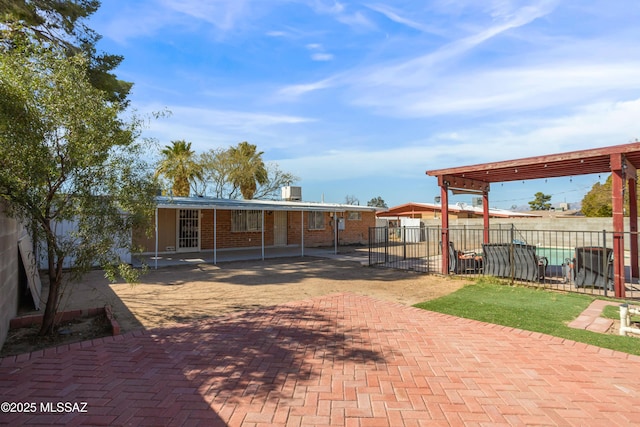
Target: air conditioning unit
{"type": "Point", "coordinates": [476, 201]}
{"type": "Point", "coordinates": [290, 193]}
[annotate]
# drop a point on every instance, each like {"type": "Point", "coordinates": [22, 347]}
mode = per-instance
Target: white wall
{"type": "Point", "coordinates": [10, 231]}
{"type": "Point", "coordinates": [63, 228]}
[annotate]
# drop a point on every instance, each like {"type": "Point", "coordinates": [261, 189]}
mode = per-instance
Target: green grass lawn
{"type": "Point", "coordinates": [531, 309]}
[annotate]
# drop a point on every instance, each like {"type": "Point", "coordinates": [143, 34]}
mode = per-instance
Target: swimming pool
{"type": "Point", "coordinates": [555, 255]}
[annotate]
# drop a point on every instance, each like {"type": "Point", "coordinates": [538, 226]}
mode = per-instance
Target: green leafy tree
{"type": "Point", "coordinates": [179, 164]}
{"type": "Point", "coordinates": [248, 169]}
{"type": "Point", "coordinates": [377, 202]}
{"type": "Point", "coordinates": [597, 202]}
{"type": "Point", "coordinates": [60, 24]}
{"type": "Point", "coordinates": [66, 155]}
{"type": "Point", "coordinates": [541, 202]}
{"type": "Point", "coordinates": [217, 169]}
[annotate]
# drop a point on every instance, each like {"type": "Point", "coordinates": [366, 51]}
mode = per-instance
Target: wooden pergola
{"type": "Point", "coordinates": [622, 161]}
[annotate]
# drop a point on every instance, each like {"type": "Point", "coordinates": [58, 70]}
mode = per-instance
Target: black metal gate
{"type": "Point", "coordinates": [406, 248]}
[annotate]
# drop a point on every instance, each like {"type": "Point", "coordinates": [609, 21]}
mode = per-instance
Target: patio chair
{"type": "Point", "coordinates": [463, 262]}
{"type": "Point", "coordinates": [594, 267]}
{"type": "Point", "coordinates": [496, 259]}
{"type": "Point", "coordinates": [525, 264]}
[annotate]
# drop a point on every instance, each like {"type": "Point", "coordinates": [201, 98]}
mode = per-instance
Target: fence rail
{"type": "Point", "coordinates": [575, 261]}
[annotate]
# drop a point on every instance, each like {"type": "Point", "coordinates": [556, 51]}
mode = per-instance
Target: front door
{"type": "Point", "coordinates": [188, 230]}
{"type": "Point", "coordinates": [280, 228]}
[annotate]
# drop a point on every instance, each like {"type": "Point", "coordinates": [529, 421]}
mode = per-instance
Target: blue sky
{"type": "Point", "coordinates": [360, 98]}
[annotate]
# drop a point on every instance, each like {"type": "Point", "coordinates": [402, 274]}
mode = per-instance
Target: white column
{"type": "Point", "coordinates": [215, 236]}
{"type": "Point", "coordinates": [156, 234]}
{"type": "Point", "coordinates": [335, 226]}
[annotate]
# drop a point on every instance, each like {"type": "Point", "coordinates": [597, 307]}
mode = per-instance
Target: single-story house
{"type": "Point", "coordinates": [194, 224]}
{"type": "Point", "coordinates": [457, 211]}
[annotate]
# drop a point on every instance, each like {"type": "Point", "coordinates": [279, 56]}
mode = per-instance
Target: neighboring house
{"type": "Point", "coordinates": [193, 224]}
{"type": "Point", "coordinates": [457, 211]}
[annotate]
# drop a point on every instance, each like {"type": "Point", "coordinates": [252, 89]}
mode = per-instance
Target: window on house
{"type": "Point", "coordinates": [246, 220]}
{"type": "Point", "coordinates": [316, 220]}
{"type": "Point", "coordinates": [354, 216]}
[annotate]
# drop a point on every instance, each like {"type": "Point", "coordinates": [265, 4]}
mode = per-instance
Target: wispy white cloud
{"type": "Point", "coordinates": [508, 89]}
{"type": "Point", "coordinates": [318, 53]}
{"type": "Point", "coordinates": [209, 128]}
{"type": "Point", "coordinates": [294, 91]}
{"type": "Point", "coordinates": [397, 17]}
{"type": "Point", "coordinates": [151, 17]}
{"type": "Point", "coordinates": [342, 13]}
{"type": "Point", "coordinates": [356, 20]}
{"type": "Point", "coordinates": [410, 72]}
{"type": "Point", "coordinates": [405, 77]}
{"type": "Point", "coordinates": [322, 56]}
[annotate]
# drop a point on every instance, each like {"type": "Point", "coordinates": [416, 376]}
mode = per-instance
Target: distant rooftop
{"type": "Point", "coordinates": [416, 207]}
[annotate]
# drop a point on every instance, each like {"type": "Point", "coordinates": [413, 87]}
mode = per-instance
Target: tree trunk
{"type": "Point", "coordinates": [54, 272]}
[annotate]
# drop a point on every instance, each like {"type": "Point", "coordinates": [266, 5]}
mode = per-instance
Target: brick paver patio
{"type": "Point", "coordinates": [339, 360]}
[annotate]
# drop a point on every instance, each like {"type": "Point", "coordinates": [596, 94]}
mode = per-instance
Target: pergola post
{"type": "Point", "coordinates": [485, 216]}
{"type": "Point", "coordinates": [633, 226]}
{"type": "Point", "coordinates": [617, 204]}
{"type": "Point", "coordinates": [444, 199]}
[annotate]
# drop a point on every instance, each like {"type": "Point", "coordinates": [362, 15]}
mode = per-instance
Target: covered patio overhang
{"type": "Point", "coordinates": [622, 161]}
{"type": "Point", "coordinates": [216, 205]}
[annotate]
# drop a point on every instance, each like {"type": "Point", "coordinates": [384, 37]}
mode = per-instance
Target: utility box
{"type": "Point", "coordinates": [293, 194]}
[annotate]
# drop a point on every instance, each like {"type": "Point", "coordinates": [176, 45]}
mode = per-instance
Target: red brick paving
{"type": "Point", "coordinates": [591, 320]}
{"type": "Point", "coordinates": [340, 360]}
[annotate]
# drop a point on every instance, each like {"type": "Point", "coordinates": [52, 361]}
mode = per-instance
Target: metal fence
{"type": "Point", "coordinates": [575, 261]}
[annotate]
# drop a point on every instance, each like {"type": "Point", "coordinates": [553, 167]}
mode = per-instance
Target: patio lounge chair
{"type": "Point", "coordinates": [594, 267]}
{"type": "Point", "coordinates": [463, 262]}
{"type": "Point", "coordinates": [513, 260]}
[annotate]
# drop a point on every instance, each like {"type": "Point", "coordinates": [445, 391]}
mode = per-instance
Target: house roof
{"type": "Point", "coordinates": [271, 205]}
{"type": "Point", "coordinates": [413, 207]}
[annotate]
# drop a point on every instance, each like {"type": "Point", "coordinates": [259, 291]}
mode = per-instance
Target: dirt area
{"type": "Point", "coordinates": [186, 293]}
{"type": "Point", "coordinates": [190, 292]}
{"type": "Point", "coordinates": [24, 340]}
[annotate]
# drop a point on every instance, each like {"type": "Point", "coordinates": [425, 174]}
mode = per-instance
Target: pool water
{"type": "Point", "coordinates": [556, 256]}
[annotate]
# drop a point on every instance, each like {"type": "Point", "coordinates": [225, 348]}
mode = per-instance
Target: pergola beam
{"type": "Point", "coordinates": [462, 185]}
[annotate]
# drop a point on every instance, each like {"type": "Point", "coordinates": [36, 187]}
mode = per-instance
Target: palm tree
{"type": "Point", "coordinates": [249, 170]}
{"type": "Point", "coordinates": [179, 165]}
